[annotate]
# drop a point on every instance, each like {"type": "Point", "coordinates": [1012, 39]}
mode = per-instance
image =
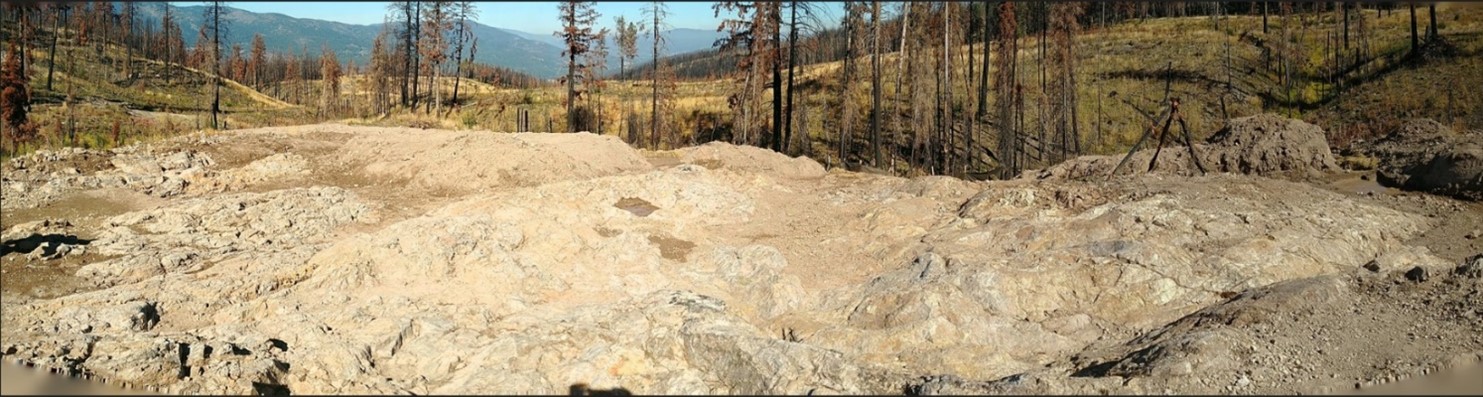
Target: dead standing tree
{"type": "Point", "coordinates": [853, 22]}
{"type": "Point", "coordinates": [660, 73]}
{"type": "Point", "coordinates": [1005, 84]}
{"type": "Point", "coordinates": [329, 66]}
{"type": "Point", "coordinates": [1062, 89]}
{"type": "Point", "coordinates": [769, 28]}
{"type": "Point", "coordinates": [214, 22]}
{"type": "Point", "coordinates": [901, 70]}
{"type": "Point", "coordinates": [403, 14]}
{"type": "Point", "coordinates": [596, 59]}
{"type": "Point", "coordinates": [628, 50]}
{"type": "Point", "coordinates": [741, 39]}
{"type": "Point", "coordinates": [808, 25]}
{"type": "Point", "coordinates": [463, 11]}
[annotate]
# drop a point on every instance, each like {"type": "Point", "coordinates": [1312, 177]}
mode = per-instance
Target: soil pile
{"type": "Point", "coordinates": [1264, 144]}
{"type": "Point", "coordinates": [1424, 155]}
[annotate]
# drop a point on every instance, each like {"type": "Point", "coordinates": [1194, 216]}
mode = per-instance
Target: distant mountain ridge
{"type": "Point", "coordinates": [533, 53]}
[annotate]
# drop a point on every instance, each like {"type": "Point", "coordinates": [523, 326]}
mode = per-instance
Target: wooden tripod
{"type": "Point", "coordinates": [1173, 114]}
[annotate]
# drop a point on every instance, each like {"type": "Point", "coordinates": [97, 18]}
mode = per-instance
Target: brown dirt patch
{"type": "Point", "coordinates": [637, 206]}
{"type": "Point", "coordinates": [672, 248]}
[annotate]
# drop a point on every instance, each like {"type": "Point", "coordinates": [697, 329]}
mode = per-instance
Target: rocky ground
{"type": "Point", "coordinates": [336, 259]}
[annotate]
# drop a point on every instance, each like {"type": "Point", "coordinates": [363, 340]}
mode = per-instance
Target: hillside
{"type": "Point", "coordinates": [1120, 78]}
{"type": "Point", "coordinates": [154, 101]}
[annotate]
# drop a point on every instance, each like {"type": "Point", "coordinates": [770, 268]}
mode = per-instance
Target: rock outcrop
{"type": "Point", "coordinates": [48, 175]}
{"type": "Point", "coordinates": [469, 262]}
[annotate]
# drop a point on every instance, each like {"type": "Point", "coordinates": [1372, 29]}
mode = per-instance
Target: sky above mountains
{"type": "Point", "coordinates": [533, 17]}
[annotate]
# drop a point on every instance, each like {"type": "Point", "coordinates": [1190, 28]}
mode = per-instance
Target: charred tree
{"type": "Point", "coordinates": [214, 22]}
{"type": "Point", "coordinates": [1006, 85]}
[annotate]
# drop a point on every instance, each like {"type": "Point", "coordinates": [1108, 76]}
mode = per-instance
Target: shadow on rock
{"type": "Point", "coordinates": [581, 389]}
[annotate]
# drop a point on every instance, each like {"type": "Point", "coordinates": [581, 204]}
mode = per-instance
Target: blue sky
{"type": "Point", "coordinates": [534, 17]}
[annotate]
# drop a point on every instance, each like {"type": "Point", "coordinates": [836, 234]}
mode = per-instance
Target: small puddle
{"type": "Point", "coordinates": [672, 248]}
{"type": "Point", "coordinates": [1362, 186]}
{"type": "Point", "coordinates": [637, 206]}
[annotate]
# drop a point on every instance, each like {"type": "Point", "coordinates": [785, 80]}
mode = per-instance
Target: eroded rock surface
{"type": "Point", "coordinates": [370, 260]}
{"type": "Point", "coordinates": [1322, 334]}
{"type": "Point", "coordinates": [47, 175]}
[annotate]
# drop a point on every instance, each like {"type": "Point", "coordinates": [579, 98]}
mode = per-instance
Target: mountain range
{"type": "Point", "coordinates": [533, 53]}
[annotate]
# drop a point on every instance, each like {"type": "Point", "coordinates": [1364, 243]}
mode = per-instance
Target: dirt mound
{"type": "Point", "coordinates": [1267, 144]}
{"type": "Point", "coordinates": [1264, 144]}
{"type": "Point", "coordinates": [277, 168]}
{"type": "Point", "coordinates": [1424, 132]}
{"type": "Point", "coordinates": [464, 162]}
{"type": "Point", "coordinates": [752, 159]}
{"type": "Point", "coordinates": [1424, 155]}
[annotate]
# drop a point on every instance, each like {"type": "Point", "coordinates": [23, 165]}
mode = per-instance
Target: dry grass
{"type": "Point", "coordinates": [1119, 68]}
{"type": "Point", "coordinates": [144, 106]}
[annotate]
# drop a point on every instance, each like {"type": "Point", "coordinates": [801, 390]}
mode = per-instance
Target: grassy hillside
{"type": "Point", "coordinates": [90, 93]}
{"type": "Point", "coordinates": [1121, 74]}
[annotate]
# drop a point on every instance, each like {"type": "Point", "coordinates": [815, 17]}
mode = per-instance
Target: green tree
{"type": "Point", "coordinates": [628, 48]}
{"type": "Point", "coordinates": [577, 18]}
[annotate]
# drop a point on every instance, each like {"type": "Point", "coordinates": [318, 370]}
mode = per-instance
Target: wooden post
{"type": "Point", "coordinates": [1154, 123]}
{"type": "Point", "coordinates": [1189, 142]}
{"type": "Point", "coordinates": [1164, 134]}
